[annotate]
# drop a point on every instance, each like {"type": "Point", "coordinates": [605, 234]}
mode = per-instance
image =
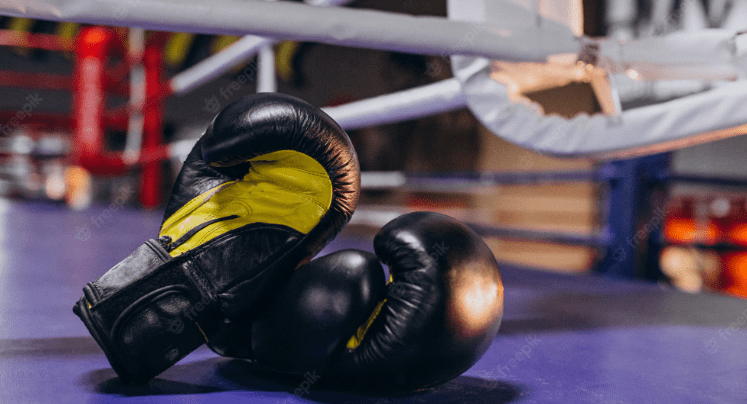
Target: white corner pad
{"type": "Point", "coordinates": [699, 118]}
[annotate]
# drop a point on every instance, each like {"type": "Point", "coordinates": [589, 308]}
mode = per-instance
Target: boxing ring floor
{"type": "Point", "coordinates": [564, 339]}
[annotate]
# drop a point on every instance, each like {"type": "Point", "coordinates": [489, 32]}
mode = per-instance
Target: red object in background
{"type": "Point", "coordinates": [151, 174]}
{"type": "Point", "coordinates": [93, 47]}
{"type": "Point", "coordinates": [734, 273]}
{"type": "Point", "coordinates": [689, 223]}
{"type": "Point", "coordinates": [736, 231]}
{"type": "Point", "coordinates": [94, 79]}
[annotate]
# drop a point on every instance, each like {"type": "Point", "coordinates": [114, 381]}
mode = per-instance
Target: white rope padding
{"type": "Point", "coordinates": [713, 114]}
{"type": "Point", "coordinates": [301, 22]}
{"type": "Point", "coordinates": [418, 102]}
{"type": "Point", "coordinates": [214, 66]}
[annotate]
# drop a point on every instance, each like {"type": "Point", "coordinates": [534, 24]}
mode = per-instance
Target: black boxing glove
{"type": "Point", "coordinates": [436, 317]}
{"type": "Point", "coordinates": [317, 311]}
{"type": "Point", "coordinates": [272, 181]}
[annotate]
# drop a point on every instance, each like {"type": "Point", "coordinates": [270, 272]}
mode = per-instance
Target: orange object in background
{"type": "Point", "coordinates": [736, 231]}
{"type": "Point", "coordinates": [686, 231]}
{"type": "Point", "coordinates": [79, 188]}
{"type": "Point", "coordinates": [707, 222]}
{"type": "Point", "coordinates": [693, 221]}
{"type": "Point", "coordinates": [687, 223]}
{"type": "Point", "coordinates": [734, 273]}
{"type": "Point", "coordinates": [690, 222]}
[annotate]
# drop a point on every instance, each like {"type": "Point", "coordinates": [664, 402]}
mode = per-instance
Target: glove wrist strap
{"type": "Point", "coordinates": [149, 311]}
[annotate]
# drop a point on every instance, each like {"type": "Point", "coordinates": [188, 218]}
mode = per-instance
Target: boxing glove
{"type": "Point", "coordinates": [270, 182]}
{"type": "Point", "coordinates": [324, 302]}
{"type": "Point", "coordinates": [436, 317]}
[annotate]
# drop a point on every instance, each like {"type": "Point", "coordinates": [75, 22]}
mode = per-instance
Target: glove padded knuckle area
{"type": "Point", "coordinates": [282, 188]}
{"type": "Point", "coordinates": [262, 124]}
{"type": "Point", "coordinates": [443, 307]}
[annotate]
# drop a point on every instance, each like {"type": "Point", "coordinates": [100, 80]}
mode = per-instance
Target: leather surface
{"type": "Point", "coordinates": [443, 307]}
{"type": "Point", "coordinates": [142, 261]}
{"type": "Point", "coordinates": [317, 311]}
{"type": "Point", "coordinates": [138, 305]}
{"type": "Point", "coordinates": [256, 125]}
{"type": "Point", "coordinates": [438, 315]}
{"type": "Point", "coordinates": [284, 187]}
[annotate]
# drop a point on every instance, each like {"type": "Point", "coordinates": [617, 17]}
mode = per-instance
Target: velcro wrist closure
{"type": "Point", "coordinates": [149, 311]}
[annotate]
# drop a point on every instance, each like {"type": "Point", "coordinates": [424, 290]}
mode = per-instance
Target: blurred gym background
{"type": "Point", "coordinates": [677, 218]}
